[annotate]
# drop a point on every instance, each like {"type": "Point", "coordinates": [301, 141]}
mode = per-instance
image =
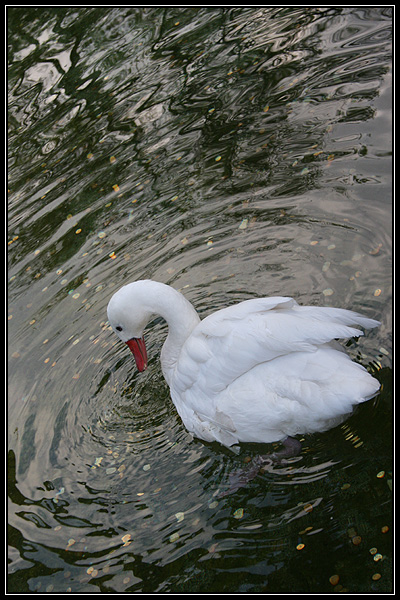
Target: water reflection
{"type": "Point", "coordinates": [231, 152]}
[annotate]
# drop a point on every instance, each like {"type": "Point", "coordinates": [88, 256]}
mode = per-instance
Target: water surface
{"type": "Point", "coordinates": [232, 153]}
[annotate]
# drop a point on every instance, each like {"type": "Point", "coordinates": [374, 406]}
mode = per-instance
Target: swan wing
{"type": "Point", "coordinates": [232, 341]}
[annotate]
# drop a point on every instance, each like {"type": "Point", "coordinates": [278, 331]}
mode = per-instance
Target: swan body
{"type": "Point", "coordinates": [258, 371]}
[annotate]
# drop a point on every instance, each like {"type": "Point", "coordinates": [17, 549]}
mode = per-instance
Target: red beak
{"type": "Point", "coordinates": [138, 349]}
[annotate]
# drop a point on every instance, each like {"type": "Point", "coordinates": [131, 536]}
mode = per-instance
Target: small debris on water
{"type": "Point", "coordinates": [334, 579]}
{"type": "Point", "coordinates": [327, 292]}
{"type": "Point", "coordinates": [356, 540]}
{"type": "Point", "coordinates": [126, 539]}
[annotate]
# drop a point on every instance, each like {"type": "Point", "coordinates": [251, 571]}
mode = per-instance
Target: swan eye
{"type": "Point", "coordinates": [118, 328]}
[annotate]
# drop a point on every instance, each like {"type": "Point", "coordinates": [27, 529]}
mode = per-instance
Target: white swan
{"type": "Point", "coordinates": [258, 371]}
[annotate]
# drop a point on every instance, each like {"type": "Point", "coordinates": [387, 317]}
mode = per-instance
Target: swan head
{"type": "Point", "coordinates": [128, 317]}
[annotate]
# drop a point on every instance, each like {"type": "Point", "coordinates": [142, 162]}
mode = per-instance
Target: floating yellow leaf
{"type": "Point", "coordinates": [327, 292]}
{"type": "Point", "coordinates": [325, 266]}
{"type": "Point", "coordinates": [115, 188]}
{"type": "Point", "coordinates": [334, 579]}
{"type": "Point", "coordinates": [376, 249]}
{"type": "Point", "coordinates": [238, 514]}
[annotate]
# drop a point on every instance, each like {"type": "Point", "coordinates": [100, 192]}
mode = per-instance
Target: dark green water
{"type": "Point", "coordinates": [232, 153]}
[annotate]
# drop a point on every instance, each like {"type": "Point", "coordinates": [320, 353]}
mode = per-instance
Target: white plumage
{"type": "Point", "coordinates": [259, 371]}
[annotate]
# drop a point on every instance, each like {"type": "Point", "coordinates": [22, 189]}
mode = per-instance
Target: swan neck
{"type": "Point", "coordinates": [181, 318]}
